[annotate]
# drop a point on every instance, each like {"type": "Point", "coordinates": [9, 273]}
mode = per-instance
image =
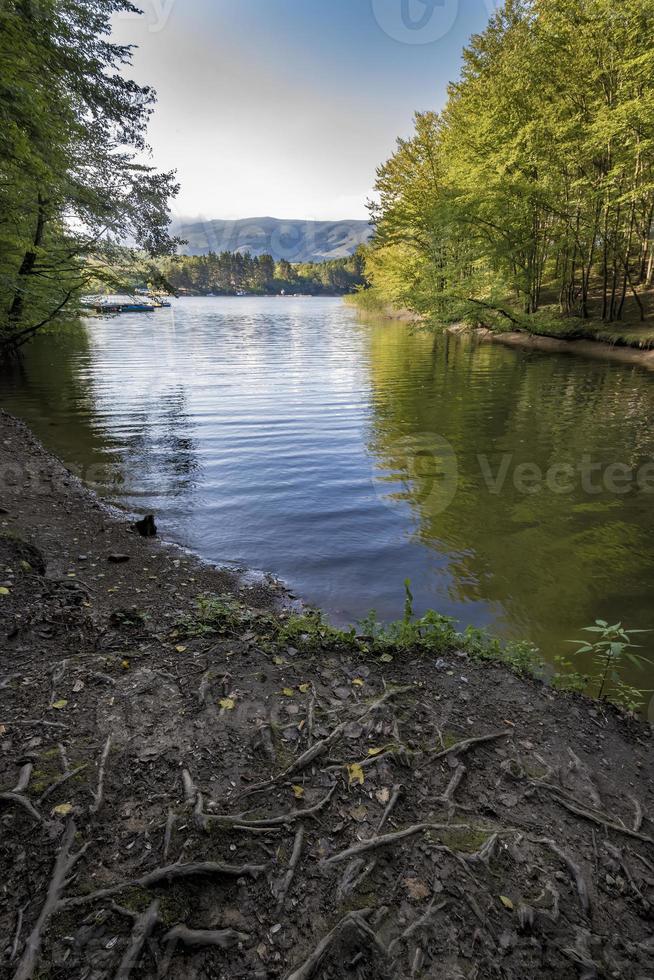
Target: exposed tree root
{"type": "Point", "coordinates": [292, 865]}
{"type": "Point", "coordinates": [197, 938]}
{"type": "Point", "coordinates": [460, 748]}
{"type": "Point", "coordinates": [64, 864]}
{"type": "Point", "coordinates": [23, 778]}
{"type": "Point", "coordinates": [160, 876]}
{"type": "Point", "coordinates": [319, 748]}
{"type": "Point", "coordinates": [602, 821]}
{"type": "Point", "coordinates": [143, 928]}
{"type": "Point", "coordinates": [168, 833]}
{"type": "Point", "coordinates": [239, 821]}
{"type": "Point", "coordinates": [424, 920]}
{"type": "Point", "coordinates": [24, 803]}
{"type": "Point", "coordinates": [353, 876]}
{"type": "Point", "coordinates": [356, 920]}
{"type": "Point", "coordinates": [62, 779]}
{"type": "Point", "coordinates": [388, 839]}
{"type": "Point", "coordinates": [575, 871]}
{"type": "Point", "coordinates": [98, 796]}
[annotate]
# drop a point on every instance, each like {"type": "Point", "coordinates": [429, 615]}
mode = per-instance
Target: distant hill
{"type": "Point", "coordinates": [296, 241]}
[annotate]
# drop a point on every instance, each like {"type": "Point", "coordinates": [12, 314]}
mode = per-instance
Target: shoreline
{"type": "Point", "coordinates": [558, 345]}
{"type": "Point", "coordinates": [142, 720]}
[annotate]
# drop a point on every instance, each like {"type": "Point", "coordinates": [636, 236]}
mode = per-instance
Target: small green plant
{"type": "Point", "coordinates": [408, 601]}
{"type": "Point", "coordinates": [608, 653]}
{"type": "Point", "coordinates": [310, 631]}
{"type": "Point", "coordinates": [567, 678]}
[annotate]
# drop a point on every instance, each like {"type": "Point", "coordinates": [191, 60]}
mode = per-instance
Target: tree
{"type": "Point", "coordinates": [536, 183]}
{"type": "Point", "coordinates": [73, 184]}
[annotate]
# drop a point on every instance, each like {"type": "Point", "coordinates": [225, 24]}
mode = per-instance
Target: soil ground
{"type": "Point", "coordinates": [186, 793]}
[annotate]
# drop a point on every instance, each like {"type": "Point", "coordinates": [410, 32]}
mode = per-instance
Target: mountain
{"type": "Point", "coordinates": [296, 241]}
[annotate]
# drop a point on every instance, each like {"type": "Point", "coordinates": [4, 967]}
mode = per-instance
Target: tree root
{"type": "Point", "coordinates": [575, 871]}
{"type": "Point", "coordinates": [319, 748]}
{"type": "Point", "coordinates": [64, 864]}
{"type": "Point", "coordinates": [602, 821]}
{"type": "Point", "coordinates": [432, 910]}
{"type": "Point", "coordinates": [195, 938]}
{"type": "Point", "coordinates": [172, 872]}
{"type": "Point", "coordinates": [353, 876]}
{"type": "Point", "coordinates": [143, 928]}
{"type": "Point", "coordinates": [98, 796]}
{"type": "Point", "coordinates": [168, 833]}
{"type": "Point", "coordinates": [239, 821]}
{"type": "Point", "coordinates": [62, 779]}
{"type": "Point", "coordinates": [447, 798]}
{"type": "Point", "coordinates": [190, 789]}
{"type": "Point", "coordinates": [292, 865]}
{"type": "Point", "coordinates": [638, 814]}
{"type": "Point", "coordinates": [387, 839]}
{"type": "Point", "coordinates": [23, 778]}
{"type": "Point", "coordinates": [355, 919]}
{"type": "Point", "coordinates": [24, 802]}
{"type": "Point", "coordinates": [460, 748]}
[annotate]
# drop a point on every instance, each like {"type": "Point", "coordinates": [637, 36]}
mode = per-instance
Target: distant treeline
{"type": "Point", "coordinates": [230, 273]}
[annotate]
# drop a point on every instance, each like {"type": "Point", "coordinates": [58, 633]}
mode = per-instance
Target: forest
{"type": "Point", "coordinates": [228, 273]}
{"type": "Point", "coordinates": [74, 178]}
{"type": "Point", "coordinates": [530, 197]}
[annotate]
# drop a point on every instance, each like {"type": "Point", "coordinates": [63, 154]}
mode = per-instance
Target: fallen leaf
{"type": "Point", "coordinates": [298, 792]}
{"type": "Point", "coordinates": [355, 773]}
{"type": "Point", "coordinates": [373, 752]}
{"type": "Point", "coordinates": [386, 658]}
{"type": "Point", "coordinates": [506, 902]}
{"type": "Point", "coordinates": [279, 661]}
{"type": "Point", "coordinates": [124, 664]}
{"type": "Point", "coordinates": [79, 686]}
{"type": "Point", "coordinates": [63, 809]}
{"type": "Point", "coordinates": [417, 889]}
{"type": "Point", "coordinates": [511, 723]}
{"type": "Point", "coordinates": [305, 687]}
{"type": "Point", "coordinates": [289, 692]}
{"type": "Point", "coordinates": [180, 649]}
{"type": "Point", "coordinates": [359, 813]}
{"type": "Point", "coordinates": [383, 795]}
{"type": "Point", "coordinates": [59, 704]}
{"type": "Point", "coordinates": [4, 591]}
{"type": "Point", "coordinates": [227, 703]}
{"type": "Point", "coordinates": [358, 682]}
{"type": "Point", "coordinates": [2, 730]}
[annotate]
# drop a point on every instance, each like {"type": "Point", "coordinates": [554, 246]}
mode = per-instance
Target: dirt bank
{"type": "Point", "coordinates": [556, 345]}
{"type": "Point", "coordinates": [202, 791]}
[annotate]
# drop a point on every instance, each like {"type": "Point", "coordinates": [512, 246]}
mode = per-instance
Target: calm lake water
{"type": "Point", "coordinates": [288, 436]}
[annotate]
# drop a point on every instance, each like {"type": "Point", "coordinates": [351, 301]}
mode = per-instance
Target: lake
{"type": "Point", "coordinates": [286, 435]}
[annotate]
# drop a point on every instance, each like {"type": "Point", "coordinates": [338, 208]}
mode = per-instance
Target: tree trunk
{"type": "Point", "coordinates": [27, 267]}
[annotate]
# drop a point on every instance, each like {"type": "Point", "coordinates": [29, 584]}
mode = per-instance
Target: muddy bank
{"type": "Point", "coordinates": [556, 345]}
{"type": "Point", "coordinates": [194, 785]}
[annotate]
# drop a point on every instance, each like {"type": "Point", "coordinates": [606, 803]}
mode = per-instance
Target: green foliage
{"type": "Point", "coordinates": [231, 273]}
{"type": "Point", "coordinates": [535, 185]}
{"type": "Point", "coordinates": [608, 652]}
{"type": "Point", "coordinates": [311, 632]}
{"type": "Point", "coordinates": [72, 181]}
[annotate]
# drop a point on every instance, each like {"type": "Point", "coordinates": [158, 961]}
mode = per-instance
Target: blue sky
{"type": "Point", "coordinates": [285, 107]}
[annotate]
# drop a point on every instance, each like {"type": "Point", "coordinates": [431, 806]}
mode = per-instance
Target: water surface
{"type": "Point", "coordinates": [285, 435]}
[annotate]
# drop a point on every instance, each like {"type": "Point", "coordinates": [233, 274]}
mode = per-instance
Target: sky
{"type": "Point", "coordinates": [286, 107]}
